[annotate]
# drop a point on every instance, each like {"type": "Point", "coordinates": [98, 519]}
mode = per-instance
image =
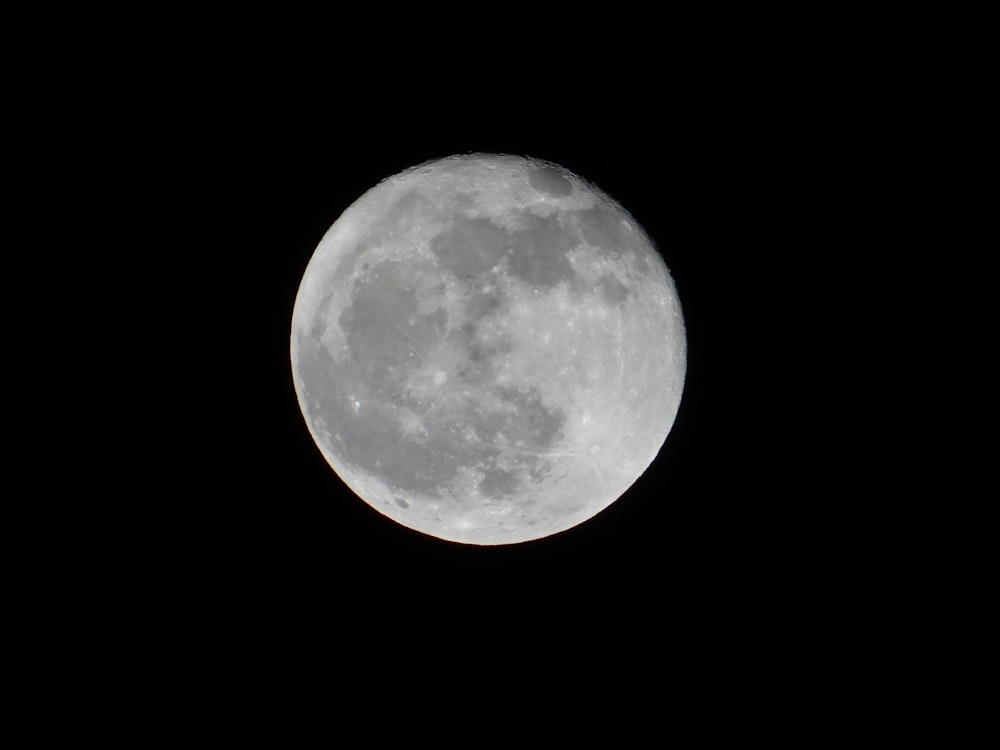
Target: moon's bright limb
{"type": "Point", "coordinates": [488, 349]}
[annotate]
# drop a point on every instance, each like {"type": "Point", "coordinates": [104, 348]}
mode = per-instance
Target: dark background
{"type": "Point", "coordinates": [723, 546]}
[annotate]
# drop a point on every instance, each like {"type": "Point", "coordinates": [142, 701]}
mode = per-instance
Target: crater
{"type": "Point", "coordinates": [550, 180]}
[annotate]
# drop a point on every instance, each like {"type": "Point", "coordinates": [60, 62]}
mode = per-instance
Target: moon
{"type": "Point", "coordinates": [488, 349]}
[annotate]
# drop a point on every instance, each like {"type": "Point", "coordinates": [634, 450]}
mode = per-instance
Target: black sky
{"type": "Point", "coordinates": [717, 539]}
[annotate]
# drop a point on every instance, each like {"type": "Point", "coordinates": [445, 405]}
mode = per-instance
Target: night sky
{"type": "Point", "coordinates": [716, 544]}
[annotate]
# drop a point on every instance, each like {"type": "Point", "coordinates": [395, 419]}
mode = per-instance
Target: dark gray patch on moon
{"type": "Point", "coordinates": [539, 252]}
{"type": "Point", "coordinates": [528, 422]}
{"type": "Point", "coordinates": [498, 483]}
{"type": "Point", "coordinates": [602, 227]}
{"type": "Point", "coordinates": [318, 327]}
{"type": "Point", "coordinates": [550, 180]}
{"type": "Point", "coordinates": [409, 210]}
{"type": "Point", "coordinates": [611, 289]}
{"type": "Point", "coordinates": [363, 431]}
{"type": "Point", "coordinates": [536, 253]}
{"type": "Point", "coordinates": [482, 303]}
{"type": "Point", "coordinates": [465, 200]}
{"type": "Point", "coordinates": [521, 420]}
{"type": "Point", "coordinates": [469, 247]}
{"type": "Point", "coordinates": [419, 444]}
{"type": "Point", "coordinates": [384, 330]}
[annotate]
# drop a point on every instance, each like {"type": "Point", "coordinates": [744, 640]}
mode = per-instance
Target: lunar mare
{"type": "Point", "coordinates": [488, 349]}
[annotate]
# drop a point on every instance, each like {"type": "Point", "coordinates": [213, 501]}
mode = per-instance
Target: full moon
{"type": "Point", "coordinates": [488, 349]}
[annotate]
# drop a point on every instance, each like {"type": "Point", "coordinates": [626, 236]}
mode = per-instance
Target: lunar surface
{"type": "Point", "coordinates": [488, 349]}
